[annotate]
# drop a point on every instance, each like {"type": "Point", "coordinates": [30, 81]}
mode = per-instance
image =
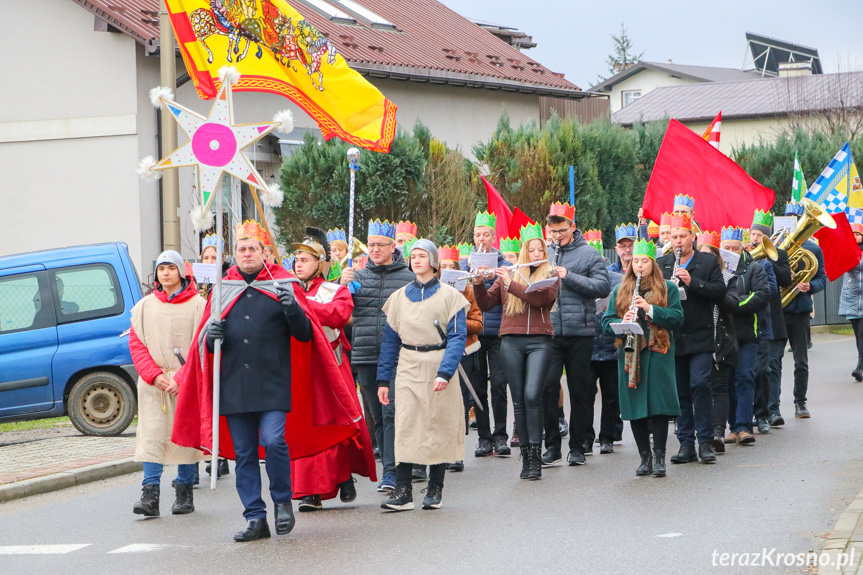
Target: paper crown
{"type": "Point", "coordinates": [594, 239]}
{"type": "Point", "coordinates": [336, 234]}
{"type": "Point", "coordinates": [212, 240]}
{"type": "Point", "coordinates": [763, 218]}
{"type": "Point", "coordinates": [625, 232]}
{"type": "Point", "coordinates": [251, 230]}
{"type": "Point", "coordinates": [683, 200]}
{"type": "Point", "coordinates": [510, 245]}
{"type": "Point", "coordinates": [383, 229]}
{"type": "Point", "coordinates": [855, 218]}
{"type": "Point", "coordinates": [449, 253]}
{"type": "Point", "coordinates": [464, 250]}
{"type": "Point", "coordinates": [652, 229]}
{"type": "Point", "coordinates": [335, 271]}
{"type": "Point", "coordinates": [681, 221]}
{"type": "Point", "coordinates": [708, 239]}
{"type": "Point", "coordinates": [562, 210]}
{"type": "Point", "coordinates": [406, 227]}
{"type": "Point", "coordinates": [858, 228]}
{"type": "Point", "coordinates": [288, 263]}
{"type": "Point", "coordinates": [732, 233]}
{"type": "Point", "coordinates": [407, 247]}
{"type": "Point", "coordinates": [530, 232]}
{"type": "Point", "coordinates": [793, 208]}
{"type": "Point", "coordinates": [665, 222]}
{"type": "Point", "coordinates": [485, 219]}
{"type": "Point", "coordinates": [644, 248]}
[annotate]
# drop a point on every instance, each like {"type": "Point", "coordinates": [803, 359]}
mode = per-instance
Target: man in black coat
{"type": "Point", "coordinates": [385, 273]}
{"type": "Point", "coordinates": [700, 280]}
{"type": "Point", "coordinates": [255, 394]}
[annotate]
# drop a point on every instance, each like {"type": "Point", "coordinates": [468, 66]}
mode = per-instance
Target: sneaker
{"type": "Point", "coordinates": [433, 496]}
{"type": "Point", "coordinates": [483, 448]}
{"type": "Point", "coordinates": [745, 438]}
{"type": "Point", "coordinates": [387, 484]}
{"type": "Point", "coordinates": [563, 427]}
{"type": "Point", "coordinates": [457, 466]}
{"type": "Point", "coordinates": [401, 499]}
{"type": "Point", "coordinates": [551, 457]}
{"type": "Point", "coordinates": [419, 473]}
{"type": "Point", "coordinates": [800, 411]}
{"type": "Point", "coordinates": [575, 458]}
{"type": "Point", "coordinates": [310, 503]}
{"type": "Point", "coordinates": [776, 420]}
{"type": "Point", "coordinates": [606, 447]}
{"type": "Point", "coordinates": [588, 447]}
{"type": "Point", "coordinates": [763, 426]}
{"type": "Point", "coordinates": [514, 442]}
{"type": "Point", "coordinates": [501, 448]}
{"type": "Point", "coordinates": [471, 416]}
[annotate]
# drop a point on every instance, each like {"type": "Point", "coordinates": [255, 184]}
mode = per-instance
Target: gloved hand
{"type": "Point", "coordinates": [215, 331]}
{"type": "Point", "coordinates": [287, 299]}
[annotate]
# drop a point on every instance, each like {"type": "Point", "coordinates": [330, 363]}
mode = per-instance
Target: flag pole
{"type": "Point", "coordinates": [216, 312]}
{"type": "Point", "coordinates": [353, 158]}
{"type": "Point", "coordinates": [572, 185]}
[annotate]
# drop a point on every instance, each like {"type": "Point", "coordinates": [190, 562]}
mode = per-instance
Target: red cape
{"type": "Point", "coordinates": [322, 415]}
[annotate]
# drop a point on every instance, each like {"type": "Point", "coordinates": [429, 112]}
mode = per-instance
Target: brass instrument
{"type": "Point", "coordinates": [629, 346]}
{"type": "Point", "coordinates": [779, 236]}
{"type": "Point", "coordinates": [359, 249]}
{"type": "Point", "coordinates": [667, 248]}
{"type": "Point", "coordinates": [765, 249]}
{"type": "Point", "coordinates": [803, 262]}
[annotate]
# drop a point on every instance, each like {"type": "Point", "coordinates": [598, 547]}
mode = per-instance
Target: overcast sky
{"type": "Point", "coordinates": [574, 36]}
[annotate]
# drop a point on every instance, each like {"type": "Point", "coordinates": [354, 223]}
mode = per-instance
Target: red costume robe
{"type": "Point", "coordinates": [323, 413]}
{"type": "Point", "coordinates": [320, 474]}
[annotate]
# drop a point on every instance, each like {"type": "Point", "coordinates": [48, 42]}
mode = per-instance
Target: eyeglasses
{"type": "Point", "coordinates": [624, 248]}
{"type": "Point", "coordinates": [559, 232]}
{"type": "Point", "coordinates": [379, 246]}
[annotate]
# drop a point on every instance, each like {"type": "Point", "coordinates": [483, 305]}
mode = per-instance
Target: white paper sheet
{"type": "Point", "coordinates": [454, 278]}
{"type": "Point", "coordinates": [540, 284]}
{"type": "Point", "coordinates": [627, 328]}
{"type": "Point", "coordinates": [483, 260]}
{"type": "Point", "coordinates": [205, 273]}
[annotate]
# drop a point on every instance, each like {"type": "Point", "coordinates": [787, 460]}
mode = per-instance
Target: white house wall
{"type": "Point", "coordinates": [646, 81]}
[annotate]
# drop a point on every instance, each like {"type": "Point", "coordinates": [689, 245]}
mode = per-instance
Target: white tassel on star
{"type": "Point", "coordinates": [145, 169]}
{"type": "Point", "coordinates": [202, 221]}
{"type": "Point", "coordinates": [285, 121]}
{"type": "Point", "coordinates": [158, 93]}
{"type": "Point", "coordinates": [273, 197]}
{"type": "Point", "coordinates": [229, 74]}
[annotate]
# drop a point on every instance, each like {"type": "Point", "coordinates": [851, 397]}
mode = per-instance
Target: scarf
{"type": "Point", "coordinates": [657, 339]}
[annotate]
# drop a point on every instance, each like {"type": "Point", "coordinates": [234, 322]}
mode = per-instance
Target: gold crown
{"type": "Point", "coordinates": [251, 230]}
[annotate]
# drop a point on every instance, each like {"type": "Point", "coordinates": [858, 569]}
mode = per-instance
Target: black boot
{"type": "Point", "coordinates": [525, 455]}
{"type": "Point", "coordinates": [659, 463]}
{"type": "Point", "coordinates": [284, 518]}
{"type": "Point", "coordinates": [719, 438]}
{"type": "Point", "coordinates": [858, 371]}
{"type": "Point", "coordinates": [646, 467]}
{"type": "Point", "coordinates": [534, 469]}
{"type": "Point", "coordinates": [686, 454]}
{"type": "Point", "coordinates": [255, 529]}
{"type": "Point", "coordinates": [347, 491]}
{"type": "Point", "coordinates": [184, 503]}
{"type": "Point", "coordinates": [148, 506]}
{"type": "Point", "coordinates": [224, 469]}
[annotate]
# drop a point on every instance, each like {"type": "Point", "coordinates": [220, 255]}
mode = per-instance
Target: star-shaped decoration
{"type": "Point", "coordinates": [215, 144]}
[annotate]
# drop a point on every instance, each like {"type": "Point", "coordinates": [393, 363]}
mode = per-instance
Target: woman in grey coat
{"type": "Point", "coordinates": [851, 302]}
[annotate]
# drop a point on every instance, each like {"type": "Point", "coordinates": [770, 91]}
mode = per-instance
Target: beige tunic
{"type": "Point", "coordinates": [429, 424]}
{"type": "Point", "coordinates": [161, 327]}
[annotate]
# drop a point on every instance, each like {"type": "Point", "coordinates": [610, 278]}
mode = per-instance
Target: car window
{"type": "Point", "coordinates": [86, 292]}
{"type": "Point", "coordinates": [21, 306]}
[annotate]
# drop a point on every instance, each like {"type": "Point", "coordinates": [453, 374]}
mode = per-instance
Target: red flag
{"type": "Point", "coordinates": [725, 195]}
{"type": "Point", "coordinates": [498, 207]}
{"type": "Point", "coordinates": [519, 220]}
{"type": "Point", "coordinates": [841, 252]}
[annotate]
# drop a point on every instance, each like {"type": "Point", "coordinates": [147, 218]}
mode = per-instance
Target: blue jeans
{"type": "Point", "coordinates": [384, 415]}
{"type": "Point", "coordinates": [268, 429]}
{"type": "Point", "coordinates": [153, 473]}
{"type": "Point", "coordinates": [696, 399]}
{"type": "Point", "coordinates": [742, 388]}
{"type": "Point", "coordinates": [774, 375]}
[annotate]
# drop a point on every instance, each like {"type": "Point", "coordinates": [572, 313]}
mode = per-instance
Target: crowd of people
{"type": "Point", "coordinates": [685, 327]}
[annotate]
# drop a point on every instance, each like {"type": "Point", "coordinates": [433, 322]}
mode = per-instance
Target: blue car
{"type": "Point", "coordinates": [64, 346]}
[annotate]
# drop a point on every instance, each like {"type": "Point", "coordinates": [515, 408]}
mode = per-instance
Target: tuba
{"type": "Point", "coordinates": [803, 262]}
{"type": "Point", "coordinates": [765, 249]}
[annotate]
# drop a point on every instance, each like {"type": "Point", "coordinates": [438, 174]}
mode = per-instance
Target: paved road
{"type": "Point", "coordinates": [785, 492]}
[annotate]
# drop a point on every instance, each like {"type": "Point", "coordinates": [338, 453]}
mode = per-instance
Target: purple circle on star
{"type": "Point", "coordinates": [214, 145]}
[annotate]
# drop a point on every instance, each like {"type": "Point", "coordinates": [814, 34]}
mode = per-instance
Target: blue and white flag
{"type": "Point", "coordinates": [831, 188]}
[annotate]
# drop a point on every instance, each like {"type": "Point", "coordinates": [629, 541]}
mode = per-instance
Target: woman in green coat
{"type": "Point", "coordinates": [646, 380]}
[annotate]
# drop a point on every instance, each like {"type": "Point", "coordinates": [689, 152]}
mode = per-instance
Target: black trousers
{"type": "Point", "coordinates": [642, 428]}
{"type": "Point", "coordinates": [525, 358]}
{"type": "Point", "coordinates": [604, 373]}
{"type": "Point", "coordinates": [436, 474]}
{"type": "Point", "coordinates": [490, 366]}
{"type": "Point", "coordinates": [762, 380]}
{"type": "Point", "coordinates": [797, 325]}
{"type": "Point", "coordinates": [719, 378]}
{"type": "Point", "coordinates": [857, 326]}
{"type": "Point", "coordinates": [573, 353]}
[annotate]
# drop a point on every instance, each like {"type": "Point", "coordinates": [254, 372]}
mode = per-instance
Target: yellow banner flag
{"type": "Point", "coordinates": [855, 194]}
{"type": "Point", "coordinates": [276, 50]}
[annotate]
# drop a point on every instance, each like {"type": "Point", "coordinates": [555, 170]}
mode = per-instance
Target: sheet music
{"type": "Point", "coordinates": [205, 273]}
{"type": "Point", "coordinates": [730, 258]}
{"type": "Point", "coordinates": [454, 278]}
{"type": "Point", "coordinates": [483, 260]}
{"type": "Point", "coordinates": [627, 329]}
{"type": "Point", "coordinates": [540, 284]}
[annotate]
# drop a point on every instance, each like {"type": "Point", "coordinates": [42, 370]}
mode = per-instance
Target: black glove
{"type": "Point", "coordinates": [215, 331]}
{"type": "Point", "coordinates": [287, 299]}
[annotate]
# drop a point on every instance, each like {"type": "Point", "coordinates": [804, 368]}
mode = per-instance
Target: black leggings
{"type": "Point", "coordinates": [526, 360]}
{"type": "Point", "coordinates": [436, 473]}
{"type": "Point", "coordinates": [641, 429]}
{"type": "Point", "coordinates": [857, 326]}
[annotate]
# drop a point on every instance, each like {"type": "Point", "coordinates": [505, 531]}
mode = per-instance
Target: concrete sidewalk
{"type": "Point", "coordinates": [844, 547]}
{"type": "Point", "coordinates": [41, 460]}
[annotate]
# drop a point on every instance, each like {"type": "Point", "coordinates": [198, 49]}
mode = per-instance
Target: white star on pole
{"type": "Point", "coordinates": [215, 145]}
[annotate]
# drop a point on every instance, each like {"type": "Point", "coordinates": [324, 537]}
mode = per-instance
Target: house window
{"type": "Point", "coordinates": [629, 96]}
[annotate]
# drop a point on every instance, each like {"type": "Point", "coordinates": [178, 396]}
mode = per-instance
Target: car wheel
{"type": "Point", "coordinates": [101, 403]}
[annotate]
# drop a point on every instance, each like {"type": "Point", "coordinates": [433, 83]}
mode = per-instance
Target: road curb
{"type": "Point", "coordinates": [847, 535]}
{"type": "Point", "coordinates": [65, 479]}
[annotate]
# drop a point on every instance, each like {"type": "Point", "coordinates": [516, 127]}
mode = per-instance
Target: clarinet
{"type": "Point", "coordinates": [630, 339]}
{"type": "Point", "coordinates": [674, 278]}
